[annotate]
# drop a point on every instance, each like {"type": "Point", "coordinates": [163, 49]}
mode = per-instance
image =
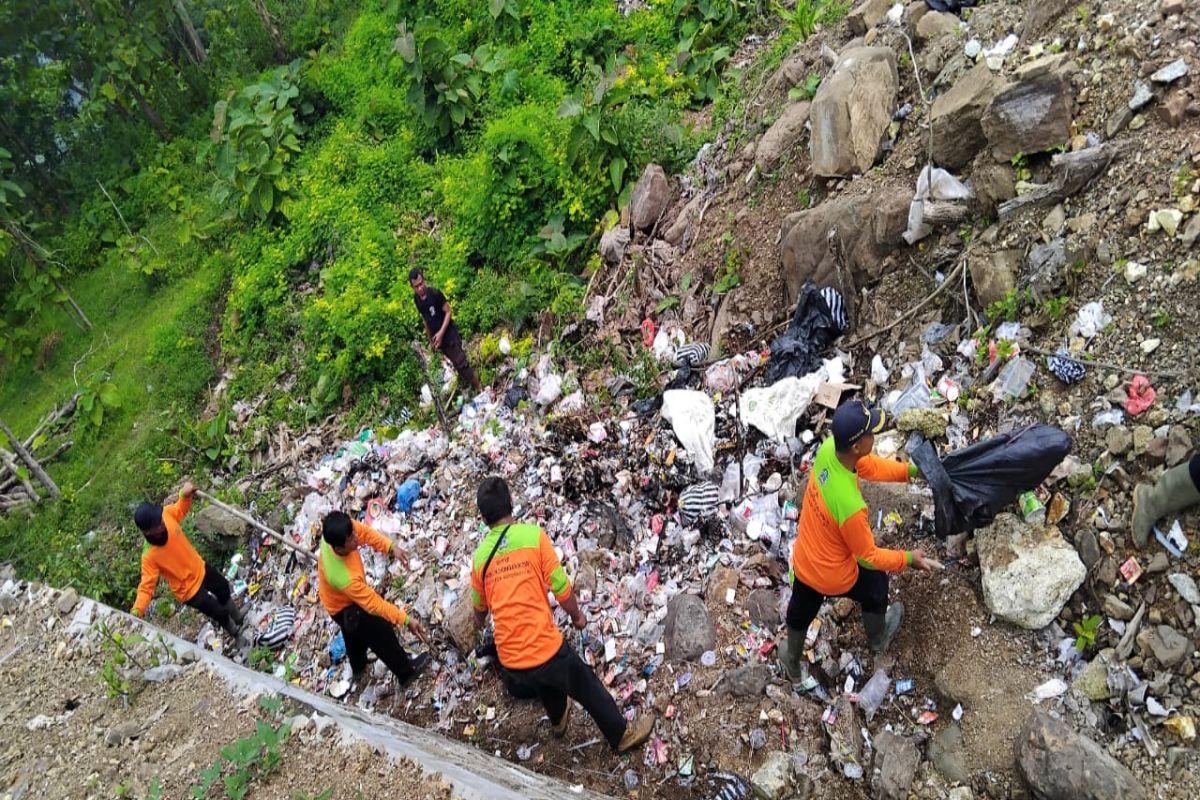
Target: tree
{"type": "Point", "coordinates": [195, 46]}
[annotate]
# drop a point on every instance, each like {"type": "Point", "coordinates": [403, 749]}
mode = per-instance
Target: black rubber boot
{"type": "Point", "coordinates": [882, 628]}
{"type": "Point", "coordinates": [1172, 492]}
{"type": "Point", "coordinates": [791, 655]}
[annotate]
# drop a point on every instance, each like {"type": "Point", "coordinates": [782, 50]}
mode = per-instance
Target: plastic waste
{"type": "Point", "coordinates": [549, 389]}
{"type": "Point", "coordinates": [751, 465]}
{"type": "Point", "coordinates": [775, 409]}
{"type": "Point", "coordinates": [1185, 404]}
{"type": "Point", "coordinates": [934, 183]}
{"type": "Point", "coordinates": [1112, 416]}
{"type": "Point", "coordinates": [972, 485]}
{"type": "Point", "coordinates": [693, 418]}
{"type": "Point", "coordinates": [879, 372]}
{"type": "Point", "coordinates": [1141, 396]}
{"type": "Point", "coordinates": [799, 349]}
{"type": "Point", "coordinates": [407, 494]}
{"type": "Point", "coordinates": [874, 693]}
{"type": "Point", "coordinates": [1013, 379]}
{"type": "Point", "coordinates": [1090, 320]}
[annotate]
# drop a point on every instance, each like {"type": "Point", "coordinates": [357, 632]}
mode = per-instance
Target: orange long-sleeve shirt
{"type": "Point", "coordinates": [834, 537]}
{"type": "Point", "coordinates": [177, 561]}
{"type": "Point", "coordinates": [341, 581]}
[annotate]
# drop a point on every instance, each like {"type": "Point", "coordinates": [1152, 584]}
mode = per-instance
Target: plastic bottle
{"type": "Point", "coordinates": [873, 694]}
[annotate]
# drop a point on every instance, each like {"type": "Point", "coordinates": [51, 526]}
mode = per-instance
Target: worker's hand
{"type": "Point", "coordinates": [436, 341]}
{"type": "Point", "coordinates": [135, 612]}
{"type": "Point", "coordinates": [401, 556]}
{"type": "Point", "coordinates": [188, 489]}
{"type": "Point", "coordinates": [922, 562]}
{"type": "Point", "coordinates": [414, 626]}
{"type": "Point", "coordinates": [579, 621]}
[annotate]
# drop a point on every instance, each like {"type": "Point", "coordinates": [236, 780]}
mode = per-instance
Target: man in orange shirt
{"type": "Point", "coordinates": [835, 554]}
{"type": "Point", "coordinates": [366, 619]}
{"type": "Point", "coordinates": [169, 553]}
{"type": "Point", "coordinates": [511, 571]}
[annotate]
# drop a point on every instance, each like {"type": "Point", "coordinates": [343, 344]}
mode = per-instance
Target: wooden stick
{"type": "Point", "coordinates": [1105, 365]}
{"type": "Point", "coordinates": [29, 460]}
{"type": "Point", "coordinates": [12, 466]}
{"type": "Point", "coordinates": [243, 515]}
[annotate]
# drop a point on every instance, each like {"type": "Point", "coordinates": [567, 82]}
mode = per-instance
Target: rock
{"type": "Point", "coordinates": [1168, 645]}
{"type": "Point", "coordinates": [935, 25]}
{"type": "Point", "coordinates": [67, 601]}
{"type": "Point", "coordinates": [1092, 680]}
{"type": "Point", "coordinates": [867, 15]}
{"type": "Point", "coordinates": [843, 607]}
{"type": "Point", "coordinates": [719, 582]}
{"type": "Point", "coordinates": [1158, 563]}
{"type": "Point", "coordinates": [949, 755]}
{"type": "Point", "coordinates": [1156, 451]}
{"type": "Point", "coordinates": [993, 184]}
{"type": "Point", "coordinates": [1039, 14]}
{"type": "Point", "coordinates": [1167, 220]}
{"type": "Point", "coordinates": [1117, 608]}
{"type": "Point", "coordinates": [685, 222]}
{"type": "Point", "coordinates": [1059, 764]}
{"type": "Point", "coordinates": [1046, 265]}
{"type": "Point", "coordinates": [1173, 110]}
{"type": "Point", "coordinates": [746, 681]}
{"type": "Point", "coordinates": [8, 603]}
{"type": "Point", "coordinates": [1033, 112]}
{"type": "Point", "coordinates": [763, 605]}
{"type": "Point", "coordinates": [122, 732]}
{"type": "Point", "coordinates": [961, 793]}
{"type": "Point", "coordinates": [896, 759]}
{"type": "Point", "coordinates": [957, 114]}
{"type": "Point", "coordinates": [1143, 434]}
{"type": "Point", "coordinates": [1179, 445]}
{"type": "Point", "coordinates": [1134, 272]}
{"type": "Point", "coordinates": [772, 780]}
{"type": "Point", "coordinates": [613, 244]}
{"type": "Point", "coordinates": [1106, 571]}
{"type": "Point", "coordinates": [1186, 586]}
{"type": "Point", "coordinates": [1029, 572]}
{"type": "Point", "coordinates": [162, 674]}
{"type": "Point", "coordinates": [1088, 547]}
{"type": "Point", "coordinates": [913, 13]}
{"type": "Point", "coordinates": [585, 579]}
{"type": "Point", "coordinates": [1191, 231]}
{"type": "Point", "coordinates": [649, 198]}
{"type": "Point", "coordinates": [1170, 8]}
{"type": "Point", "coordinates": [782, 136]}
{"type": "Point", "coordinates": [1171, 72]}
{"type": "Point", "coordinates": [300, 723]}
{"type": "Point", "coordinates": [1142, 95]}
{"type": "Point", "coordinates": [852, 110]}
{"type": "Point", "coordinates": [994, 276]}
{"type": "Point", "coordinates": [215, 521]}
{"type": "Point", "coordinates": [1118, 440]}
{"type": "Point", "coordinates": [688, 629]}
{"type": "Point", "coordinates": [460, 624]}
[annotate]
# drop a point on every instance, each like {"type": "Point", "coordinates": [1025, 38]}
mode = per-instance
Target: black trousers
{"type": "Point", "coordinates": [212, 596]}
{"type": "Point", "coordinates": [870, 591]}
{"type": "Point", "coordinates": [566, 675]}
{"type": "Point", "coordinates": [362, 632]}
{"type": "Point", "coordinates": [1194, 470]}
{"type": "Point", "coordinates": [452, 348]}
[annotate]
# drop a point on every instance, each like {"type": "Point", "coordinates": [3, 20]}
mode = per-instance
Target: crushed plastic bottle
{"type": "Point", "coordinates": [1013, 379]}
{"type": "Point", "coordinates": [874, 693]}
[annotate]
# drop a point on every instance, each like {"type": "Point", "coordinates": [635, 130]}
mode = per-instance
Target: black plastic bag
{"type": "Point", "coordinates": [972, 485]}
{"type": "Point", "coordinates": [951, 6]}
{"type": "Point", "coordinates": [813, 328]}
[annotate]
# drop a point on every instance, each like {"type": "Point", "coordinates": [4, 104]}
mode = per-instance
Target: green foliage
{"type": "Point", "coordinates": [125, 650]}
{"type": "Point", "coordinates": [1009, 308]}
{"type": "Point", "coordinates": [95, 397]}
{"type": "Point", "coordinates": [247, 760]}
{"type": "Point", "coordinates": [1161, 319]}
{"type": "Point", "coordinates": [1056, 307]}
{"type": "Point", "coordinates": [1085, 632]}
{"type": "Point", "coordinates": [806, 90]}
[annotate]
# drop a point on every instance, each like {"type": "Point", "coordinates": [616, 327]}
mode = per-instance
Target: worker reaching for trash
{"type": "Point", "coordinates": [439, 325]}
{"type": "Point", "coordinates": [511, 571]}
{"type": "Point", "coordinates": [366, 619]}
{"type": "Point", "coordinates": [169, 554]}
{"type": "Point", "coordinates": [834, 554]}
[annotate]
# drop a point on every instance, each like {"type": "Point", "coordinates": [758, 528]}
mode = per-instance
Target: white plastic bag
{"type": "Point", "coordinates": [932, 184]}
{"type": "Point", "coordinates": [693, 418]}
{"type": "Point", "coordinates": [549, 389]}
{"type": "Point", "coordinates": [774, 409]}
{"type": "Point", "coordinates": [1090, 320]}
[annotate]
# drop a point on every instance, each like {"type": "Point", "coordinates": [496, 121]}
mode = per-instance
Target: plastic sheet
{"type": "Point", "coordinates": [775, 409]}
{"type": "Point", "coordinates": [693, 419]}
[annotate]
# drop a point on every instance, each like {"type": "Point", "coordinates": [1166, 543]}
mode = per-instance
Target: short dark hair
{"type": "Point", "coordinates": [336, 528]}
{"type": "Point", "coordinates": [414, 273]}
{"type": "Point", "coordinates": [494, 500]}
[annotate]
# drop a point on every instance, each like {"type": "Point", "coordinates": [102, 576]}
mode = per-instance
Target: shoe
{"type": "Point", "coordinates": [791, 655]}
{"type": "Point", "coordinates": [1175, 490]}
{"type": "Point", "coordinates": [418, 664]}
{"type": "Point", "coordinates": [233, 628]}
{"type": "Point", "coordinates": [235, 612]}
{"type": "Point", "coordinates": [882, 628]}
{"type": "Point", "coordinates": [636, 733]}
{"type": "Point", "coordinates": [559, 729]}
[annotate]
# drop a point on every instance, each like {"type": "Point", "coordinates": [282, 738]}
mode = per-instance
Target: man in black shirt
{"type": "Point", "coordinates": [443, 334]}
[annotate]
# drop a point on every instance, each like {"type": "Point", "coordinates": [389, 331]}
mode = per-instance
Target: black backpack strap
{"type": "Point", "coordinates": [488, 563]}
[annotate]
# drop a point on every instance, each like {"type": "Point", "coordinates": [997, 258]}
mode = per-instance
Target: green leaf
{"type": "Point", "coordinates": [109, 91]}
{"type": "Point", "coordinates": [108, 395]}
{"type": "Point", "coordinates": [592, 121]}
{"type": "Point", "coordinates": [406, 46]}
{"type": "Point", "coordinates": [570, 107]}
{"type": "Point", "coordinates": [616, 171]}
{"type": "Point", "coordinates": [496, 7]}
{"type": "Point", "coordinates": [263, 198]}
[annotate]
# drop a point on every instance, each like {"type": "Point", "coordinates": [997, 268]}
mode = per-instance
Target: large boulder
{"type": "Point", "coordinates": [852, 111]}
{"type": "Point", "coordinates": [772, 780]}
{"type": "Point", "coordinates": [896, 759]}
{"type": "Point", "coordinates": [1029, 572]}
{"type": "Point", "coordinates": [688, 630]}
{"type": "Point", "coordinates": [935, 25]}
{"type": "Point", "coordinates": [1033, 111]}
{"type": "Point", "coordinates": [649, 199]}
{"type": "Point", "coordinates": [781, 137]}
{"type": "Point", "coordinates": [994, 275]}
{"type": "Point", "coordinates": [1059, 764]}
{"type": "Point", "coordinates": [867, 15]}
{"type": "Point", "coordinates": [956, 118]}
{"type": "Point", "coordinates": [216, 521]}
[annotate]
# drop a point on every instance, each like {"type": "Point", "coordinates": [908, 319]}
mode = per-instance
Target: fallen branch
{"type": "Point", "coordinates": [1105, 364]}
{"type": "Point", "coordinates": [949, 280]}
{"type": "Point", "coordinates": [279, 537]}
{"type": "Point", "coordinates": [1072, 172]}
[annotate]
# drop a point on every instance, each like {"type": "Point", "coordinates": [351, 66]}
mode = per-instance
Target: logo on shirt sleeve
{"type": "Point", "coordinates": [823, 477]}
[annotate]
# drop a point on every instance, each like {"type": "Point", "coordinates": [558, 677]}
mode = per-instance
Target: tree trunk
{"type": "Point", "coordinates": [29, 460]}
{"type": "Point", "coordinates": [87, 323]}
{"type": "Point", "coordinates": [148, 111]}
{"type": "Point", "coordinates": [281, 54]}
{"type": "Point", "coordinates": [195, 46]}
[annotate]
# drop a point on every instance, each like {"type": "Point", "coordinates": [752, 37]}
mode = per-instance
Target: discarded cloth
{"type": "Point", "coordinates": [698, 501]}
{"type": "Point", "coordinates": [283, 620]}
{"type": "Point", "coordinates": [972, 485]}
{"type": "Point", "coordinates": [952, 6]}
{"type": "Point", "coordinates": [1141, 395]}
{"type": "Point", "coordinates": [1065, 369]}
{"type": "Point", "coordinates": [812, 329]}
{"type": "Point", "coordinates": [691, 354]}
{"type": "Point", "coordinates": [693, 419]}
{"type": "Point", "coordinates": [407, 494]}
{"type": "Point", "coordinates": [775, 409]}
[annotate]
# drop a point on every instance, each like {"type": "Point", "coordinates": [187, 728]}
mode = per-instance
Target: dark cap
{"type": "Point", "coordinates": [853, 420]}
{"type": "Point", "coordinates": [148, 516]}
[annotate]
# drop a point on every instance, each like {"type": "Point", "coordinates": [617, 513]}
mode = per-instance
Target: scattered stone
{"type": "Point", "coordinates": [949, 755]}
{"type": "Point", "coordinates": [688, 630]}
{"type": "Point", "coordinates": [1118, 440]}
{"type": "Point", "coordinates": [122, 732]}
{"type": "Point", "coordinates": [935, 25]}
{"type": "Point", "coordinates": [957, 114]}
{"type": "Point", "coordinates": [460, 624]}
{"type": "Point", "coordinates": [843, 607]}
{"type": "Point", "coordinates": [1171, 72]}
{"type": "Point", "coordinates": [8, 603]}
{"type": "Point", "coordinates": [1170, 8]}
{"type": "Point", "coordinates": [1158, 563]}
{"type": "Point", "coordinates": [67, 601]}
{"type": "Point", "coordinates": [1117, 608]}
{"type": "Point", "coordinates": [649, 198]}
{"type": "Point", "coordinates": [1142, 95]}
{"type": "Point", "coordinates": [782, 136]}
{"type": "Point", "coordinates": [1092, 681]}
{"type": "Point", "coordinates": [763, 605]}
{"type": "Point", "coordinates": [961, 793]}
{"type": "Point", "coordinates": [993, 184]}
{"type": "Point", "coordinates": [772, 780]}
{"type": "Point", "coordinates": [1143, 434]}
{"type": "Point", "coordinates": [321, 723]}
{"type": "Point", "coordinates": [1179, 445]}
{"type": "Point", "coordinates": [1088, 547]}
{"type": "Point", "coordinates": [748, 681]}
{"type": "Point", "coordinates": [1186, 586]}
{"type": "Point", "coordinates": [1191, 232]}
{"type": "Point", "coordinates": [1134, 271]}
{"type": "Point", "coordinates": [163, 673]}
{"type": "Point", "coordinates": [896, 759]}
{"type": "Point", "coordinates": [1057, 763]}
{"type": "Point", "coordinates": [216, 521]}
{"type": "Point", "coordinates": [613, 244]}
{"type": "Point", "coordinates": [867, 15]}
{"type": "Point", "coordinates": [852, 110]}
{"type": "Point", "coordinates": [1033, 112]}
{"type": "Point", "coordinates": [1173, 110]}
{"type": "Point", "coordinates": [1167, 220]}
{"type": "Point", "coordinates": [1168, 645]}
{"type": "Point", "coordinates": [1057, 509]}
{"type": "Point", "coordinates": [1156, 451]}
{"type": "Point", "coordinates": [995, 276]}
{"type": "Point", "coordinates": [719, 582]}
{"type": "Point", "coordinates": [1029, 572]}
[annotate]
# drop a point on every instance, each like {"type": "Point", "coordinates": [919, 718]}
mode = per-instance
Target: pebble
{"type": "Point", "coordinates": [1134, 272]}
{"type": "Point", "coordinates": [1186, 586]}
{"type": "Point", "coordinates": [1142, 95]}
{"type": "Point", "coordinates": [1117, 608]}
{"type": "Point", "coordinates": [1150, 345]}
{"type": "Point", "coordinates": [1171, 72]}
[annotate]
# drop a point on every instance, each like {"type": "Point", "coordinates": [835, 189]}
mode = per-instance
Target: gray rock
{"type": "Point", "coordinates": [162, 674]}
{"type": "Point", "coordinates": [852, 110]}
{"type": "Point", "coordinates": [649, 198]}
{"type": "Point", "coordinates": [1158, 563]}
{"type": "Point", "coordinates": [1142, 436]}
{"type": "Point", "coordinates": [772, 780]}
{"type": "Point", "coordinates": [688, 630]}
{"type": "Point", "coordinates": [1118, 440]}
{"type": "Point", "coordinates": [1029, 572]}
{"type": "Point", "coordinates": [747, 681]}
{"type": "Point", "coordinates": [960, 793]}
{"type": "Point", "coordinates": [994, 276]}
{"type": "Point", "coordinates": [763, 605]}
{"type": "Point", "coordinates": [1171, 72]}
{"type": "Point", "coordinates": [685, 222]}
{"type": "Point", "coordinates": [1033, 112]}
{"type": "Point", "coordinates": [949, 754]}
{"type": "Point", "coordinates": [1039, 14]}
{"type": "Point", "coordinates": [122, 732]}
{"type": "Point", "coordinates": [867, 15]}
{"type": "Point", "coordinates": [1179, 443]}
{"type": "Point", "coordinates": [1046, 264]}
{"type": "Point", "coordinates": [8, 603]}
{"type": "Point", "coordinates": [1088, 547]}
{"type": "Point", "coordinates": [300, 723]}
{"type": "Point", "coordinates": [935, 25]}
{"type": "Point", "coordinates": [216, 521]}
{"type": "Point", "coordinates": [957, 117]}
{"type": "Point", "coordinates": [1186, 586]}
{"type": "Point", "coordinates": [1092, 680]}
{"type": "Point", "coordinates": [1142, 95]}
{"type": "Point", "coordinates": [321, 723]}
{"type": "Point", "coordinates": [1168, 645]}
{"type": "Point", "coordinates": [782, 136]}
{"type": "Point", "coordinates": [993, 184]}
{"type": "Point", "coordinates": [613, 244]}
{"type": "Point", "coordinates": [460, 624]}
{"type": "Point", "coordinates": [1191, 231]}
{"type": "Point", "coordinates": [896, 759]}
{"type": "Point", "coordinates": [67, 601]}
{"type": "Point", "coordinates": [1059, 764]}
{"type": "Point", "coordinates": [1116, 608]}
